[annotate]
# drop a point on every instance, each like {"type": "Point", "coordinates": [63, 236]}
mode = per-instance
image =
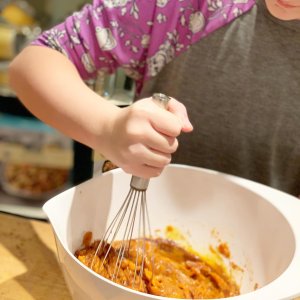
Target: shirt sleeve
{"type": "Point", "coordinates": [140, 36]}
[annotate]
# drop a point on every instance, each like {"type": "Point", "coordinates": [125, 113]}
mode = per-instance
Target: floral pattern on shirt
{"type": "Point", "coordinates": [141, 36]}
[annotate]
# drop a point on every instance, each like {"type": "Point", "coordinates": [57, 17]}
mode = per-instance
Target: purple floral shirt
{"type": "Point", "coordinates": [140, 36]}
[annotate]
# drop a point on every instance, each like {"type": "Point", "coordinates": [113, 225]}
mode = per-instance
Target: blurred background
{"type": "Point", "coordinates": [36, 161]}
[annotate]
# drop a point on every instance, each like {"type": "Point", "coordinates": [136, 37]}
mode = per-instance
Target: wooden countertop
{"type": "Point", "coordinates": [28, 263]}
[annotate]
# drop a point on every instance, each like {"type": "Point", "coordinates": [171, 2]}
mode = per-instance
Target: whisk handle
{"type": "Point", "coordinates": [161, 100]}
{"type": "Point", "coordinates": [138, 183]}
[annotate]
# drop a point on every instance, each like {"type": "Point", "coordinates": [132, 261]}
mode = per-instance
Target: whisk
{"type": "Point", "coordinates": [131, 219]}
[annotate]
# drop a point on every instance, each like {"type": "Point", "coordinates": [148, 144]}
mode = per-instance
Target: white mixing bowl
{"type": "Point", "coordinates": [260, 225]}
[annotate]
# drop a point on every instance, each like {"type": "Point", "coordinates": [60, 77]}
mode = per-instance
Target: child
{"type": "Point", "coordinates": [240, 84]}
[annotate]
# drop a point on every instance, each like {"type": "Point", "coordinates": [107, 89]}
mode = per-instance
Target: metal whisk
{"type": "Point", "coordinates": [132, 218]}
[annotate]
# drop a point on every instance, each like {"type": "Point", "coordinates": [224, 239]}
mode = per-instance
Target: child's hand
{"type": "Point", "coordinates": [142, 137]}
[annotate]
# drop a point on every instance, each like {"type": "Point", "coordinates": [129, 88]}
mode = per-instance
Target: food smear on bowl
{"type": "Point", "coordinates": [218, 255]}
{"type": "Point", "coordinates": [169, 270]}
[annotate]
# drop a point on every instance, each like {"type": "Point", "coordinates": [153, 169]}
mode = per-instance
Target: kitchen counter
{"type": "Point", "coordinates": [29, 269]}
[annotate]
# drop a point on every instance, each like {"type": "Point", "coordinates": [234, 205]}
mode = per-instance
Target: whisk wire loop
{"type": "Point", "coordinates": [126, 240]}
{"type": "Point", "coordinates": [134, 207]}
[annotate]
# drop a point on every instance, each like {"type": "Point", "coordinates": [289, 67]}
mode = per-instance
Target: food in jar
{"type": "Point", "coordinates": [169, 270]}
{"type": "Point", "coordinates": [30, 180]}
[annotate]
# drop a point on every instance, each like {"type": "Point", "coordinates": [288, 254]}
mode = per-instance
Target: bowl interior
{"type": "Point", "coordinates": [207, 207]}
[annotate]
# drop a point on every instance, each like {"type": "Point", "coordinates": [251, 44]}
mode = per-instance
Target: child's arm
{"type": "Point", "coordinates": [140, 138]}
